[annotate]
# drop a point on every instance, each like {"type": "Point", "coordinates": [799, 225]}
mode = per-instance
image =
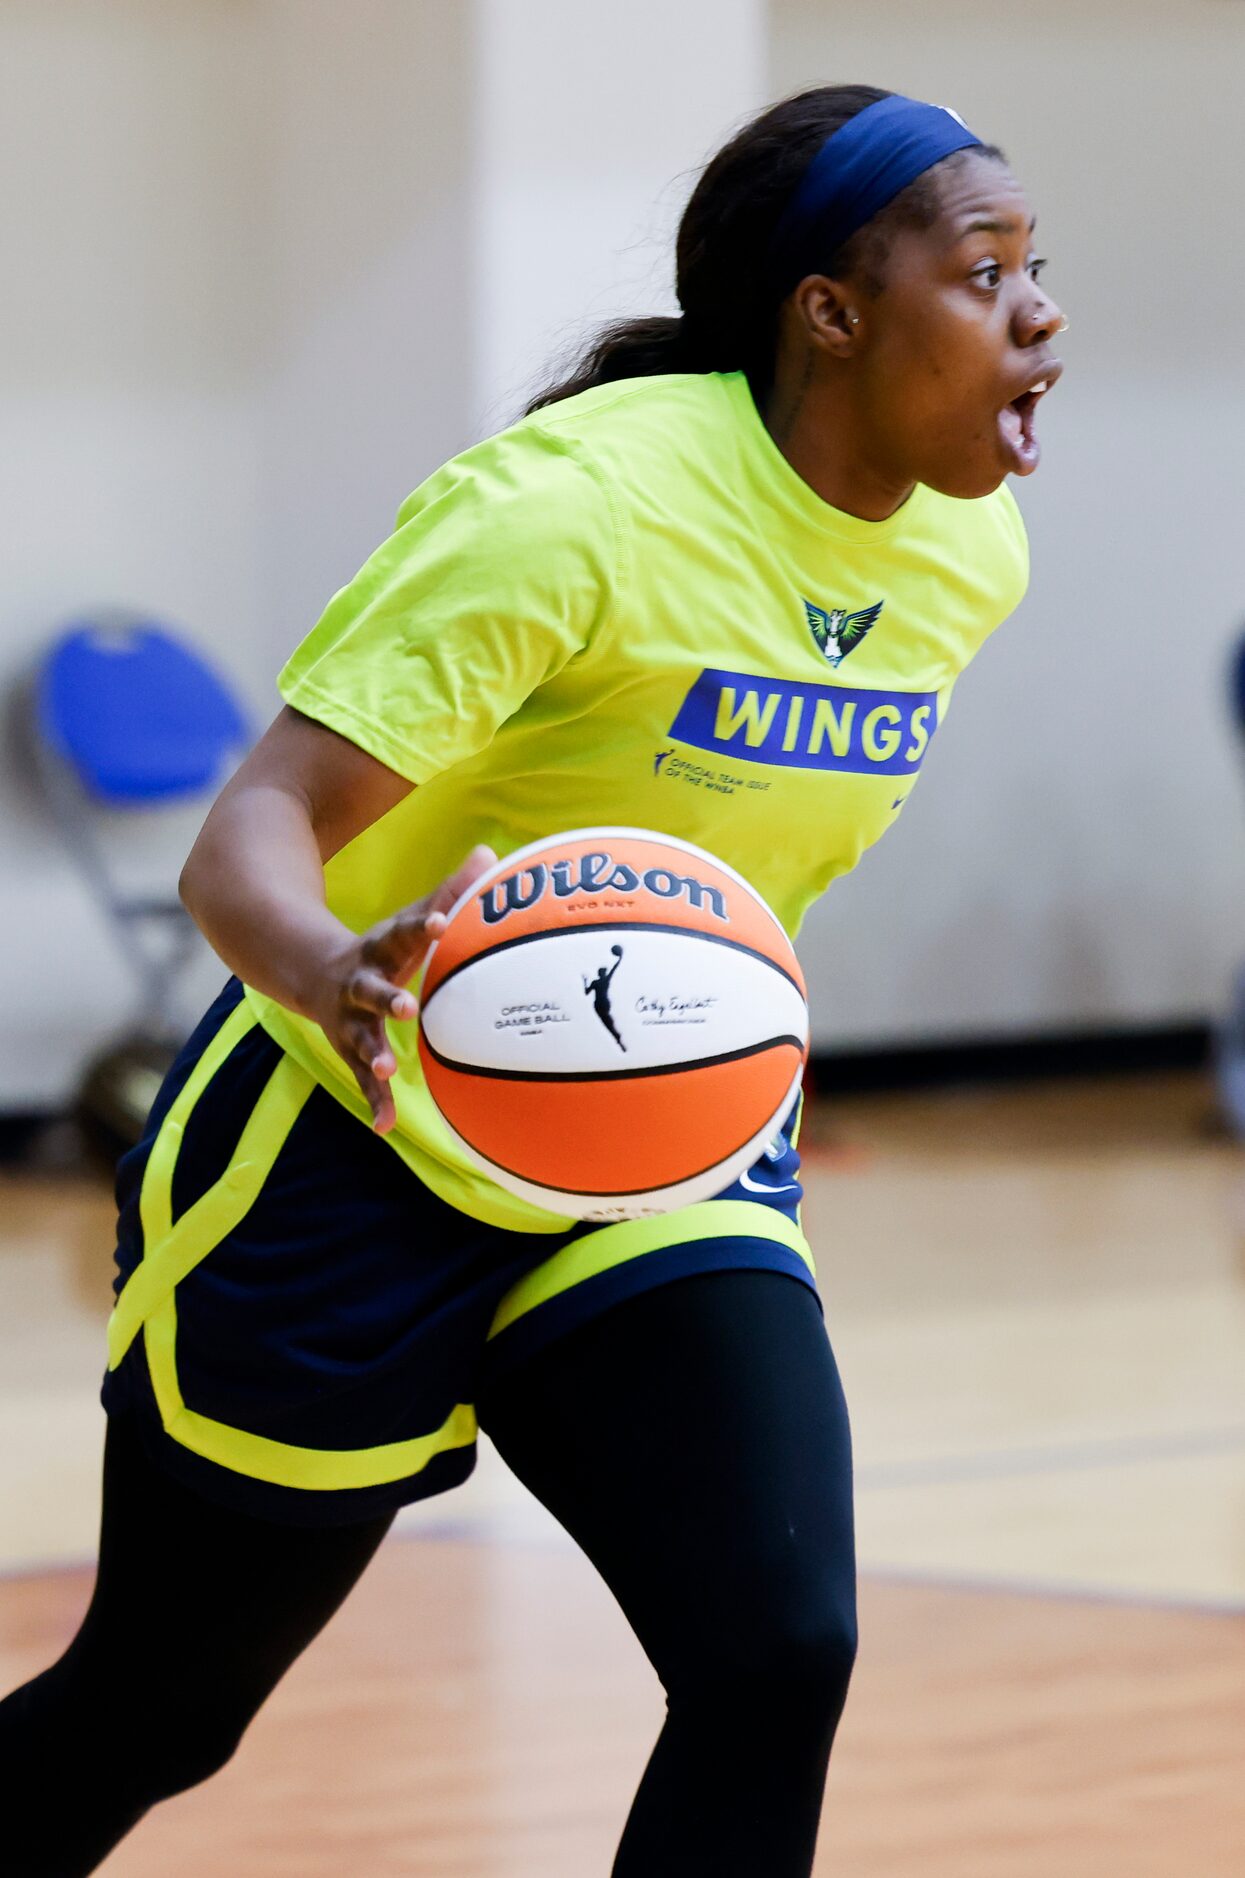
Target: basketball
{"type": "Point", "coordinates": [613, 1024]}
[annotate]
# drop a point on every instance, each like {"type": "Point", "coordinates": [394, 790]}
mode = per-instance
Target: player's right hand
{"type": "Point", "coordinates": [366, 985]}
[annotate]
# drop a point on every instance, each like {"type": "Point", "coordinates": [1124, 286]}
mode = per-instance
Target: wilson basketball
{"type": "Point", "coordinates": [613, 1023]}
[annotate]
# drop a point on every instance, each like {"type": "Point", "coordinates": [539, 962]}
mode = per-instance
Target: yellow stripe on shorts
{"type": "Point", "coordinates": [171, 1252]}
{"type": "Point", "coordinates": [611, 1246]}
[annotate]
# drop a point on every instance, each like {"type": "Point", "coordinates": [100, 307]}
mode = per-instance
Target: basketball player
{"type": "Point", "coordinates": [760, 541]}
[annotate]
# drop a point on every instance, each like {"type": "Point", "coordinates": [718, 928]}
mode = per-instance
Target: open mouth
{"type": "Point", "coordinates": [1018, 427]}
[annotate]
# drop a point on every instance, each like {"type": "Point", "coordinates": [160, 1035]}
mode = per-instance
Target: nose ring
{"type": "Point", "coordinates": [1063, 325]}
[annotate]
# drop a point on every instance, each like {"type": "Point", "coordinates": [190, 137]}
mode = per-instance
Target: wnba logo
{"type": "Point", "coordinates": [598, 989]}
{"type": "Point", "coordinates": [594, 873]}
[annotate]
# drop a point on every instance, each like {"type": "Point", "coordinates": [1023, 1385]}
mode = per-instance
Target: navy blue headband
{"type": "Point", "coordinates": [858, 170]}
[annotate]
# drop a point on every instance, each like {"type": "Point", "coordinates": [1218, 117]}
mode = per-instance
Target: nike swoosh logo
{"type": "Point", "coordinates": [759, 1186]}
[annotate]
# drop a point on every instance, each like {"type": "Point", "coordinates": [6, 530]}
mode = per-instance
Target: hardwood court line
{"type": "Point", "coordinates": [936, 1470]}
{"type": "Point", "coordinates": [1066, 1457]}
{"type": "Point", "coordinates": [45, 1569]}
{"type": "Point", "coordinates": [988, 1584]}
{"type": "Point", "coordinates": [458, 1531]}
{"type": "Point", "coordinates": [1056, 1590]}
{"type": "Point", "coordinates": [463, 1532]}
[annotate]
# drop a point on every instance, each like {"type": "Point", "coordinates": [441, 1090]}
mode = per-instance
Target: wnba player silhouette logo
{"type": "Point", "coordinates": [598, 989]}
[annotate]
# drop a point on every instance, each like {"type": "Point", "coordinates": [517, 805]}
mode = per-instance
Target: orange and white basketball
{"type": "Point", "coordinates": [613, 1024]}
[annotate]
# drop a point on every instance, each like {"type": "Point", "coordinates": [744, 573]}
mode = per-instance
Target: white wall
{"type": "Point", "coordinates": [1075, 852]}
{"type": "Point", "coordinates": [231, 340]}
{"type": "Point", "coordinates": [366, 368]}
{"type": "Point", "coordinates": [590, 122]}
{"type": "Point", "coordinates": [129, 470]}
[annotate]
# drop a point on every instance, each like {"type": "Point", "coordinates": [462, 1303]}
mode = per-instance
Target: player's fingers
{"type": "Point", "coordinates": [378, 1097]}
{"type": "Point", "coordinates": [400, 944]}
{"type": "Point", "coordinates": [477, 862]}
{"type": "Point", "coordinates": [371, 990]}
{"type": "Point", "coordinates": [399, 951]}
{"type": "Point", "coordinates": [369, 1056]}
{"type": "Point", "coordinates": [427, 919]}
{"type": "Point", "coordinates": [363, 1042]}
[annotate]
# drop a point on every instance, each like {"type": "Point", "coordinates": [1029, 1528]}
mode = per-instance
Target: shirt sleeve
{"type": "Point", "coordinates": [500, 569]}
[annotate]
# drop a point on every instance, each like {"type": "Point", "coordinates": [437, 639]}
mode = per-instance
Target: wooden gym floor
{"type": "Point", "coordinates": [1038, 1302]}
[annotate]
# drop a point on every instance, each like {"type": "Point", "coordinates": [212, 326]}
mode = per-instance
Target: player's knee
{"type": "Point", "coordinates": [805, 1656]}
{"type": "Point", "coordinates": [834, 1659]}
{"type": "Point", "coordinates": [187, 1751]}
{"type": "Point", "coordinates": [792, 1656]}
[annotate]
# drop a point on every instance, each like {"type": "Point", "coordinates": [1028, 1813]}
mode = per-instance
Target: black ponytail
{"type": "Point", "coordinates": [723, 278]}
{"type": "Point", "coordinates": [639, 348]}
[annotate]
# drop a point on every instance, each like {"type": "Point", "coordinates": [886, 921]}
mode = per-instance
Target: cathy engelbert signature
{"type": "Point", "coordinates": [675, 1008]}
{"type": "Point", "coordinates": [671, 1007]}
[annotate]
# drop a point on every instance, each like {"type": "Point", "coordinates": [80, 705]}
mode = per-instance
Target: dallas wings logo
{"type": "Point", "coordinates": [839, 632]}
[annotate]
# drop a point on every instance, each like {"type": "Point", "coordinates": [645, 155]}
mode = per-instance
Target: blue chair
{"type": "Point", "coordinates": [1229, 1042]}
{"type": "Point", "coordinates": [1236, 687]}
{"type": "Point", "coordinates": [127, 717]}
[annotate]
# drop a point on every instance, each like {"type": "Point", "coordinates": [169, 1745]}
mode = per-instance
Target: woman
{"type": "Point", "coordinates": [634, 606]}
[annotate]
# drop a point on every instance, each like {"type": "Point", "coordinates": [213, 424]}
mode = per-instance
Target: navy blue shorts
{"type": "Point", "coordinates": [302, 1326]}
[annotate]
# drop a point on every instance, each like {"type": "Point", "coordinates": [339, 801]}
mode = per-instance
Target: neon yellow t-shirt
{"type": "Point", "coordinates": [630, 609]}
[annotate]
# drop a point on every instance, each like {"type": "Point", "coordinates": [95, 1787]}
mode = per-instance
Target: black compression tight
{"type": "Point", "coordinates": [693, 1440]}
{"type": "Point", "coordinates": [196, 1616]}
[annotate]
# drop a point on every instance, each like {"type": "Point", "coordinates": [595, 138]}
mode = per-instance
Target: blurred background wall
{"type": "Point", "coordinates": [131, 228]}
{"type": "Point", "coordinates": [271, 260]}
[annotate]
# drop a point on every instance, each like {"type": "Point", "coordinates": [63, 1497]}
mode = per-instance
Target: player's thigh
{"type": "Point", "coordinates": [694, 1440]}
{"type": "Point", "coordinates": [202, 1606]}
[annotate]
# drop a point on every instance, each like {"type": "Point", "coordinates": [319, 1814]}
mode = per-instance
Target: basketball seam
{"type": "Point", "coordinates": [609, 1075]}
{"type": "Point", "coordinates": [618, 926]}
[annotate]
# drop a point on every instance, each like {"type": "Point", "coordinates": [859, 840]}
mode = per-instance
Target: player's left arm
{"type": "Point", "coordinates": [254, 884]}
